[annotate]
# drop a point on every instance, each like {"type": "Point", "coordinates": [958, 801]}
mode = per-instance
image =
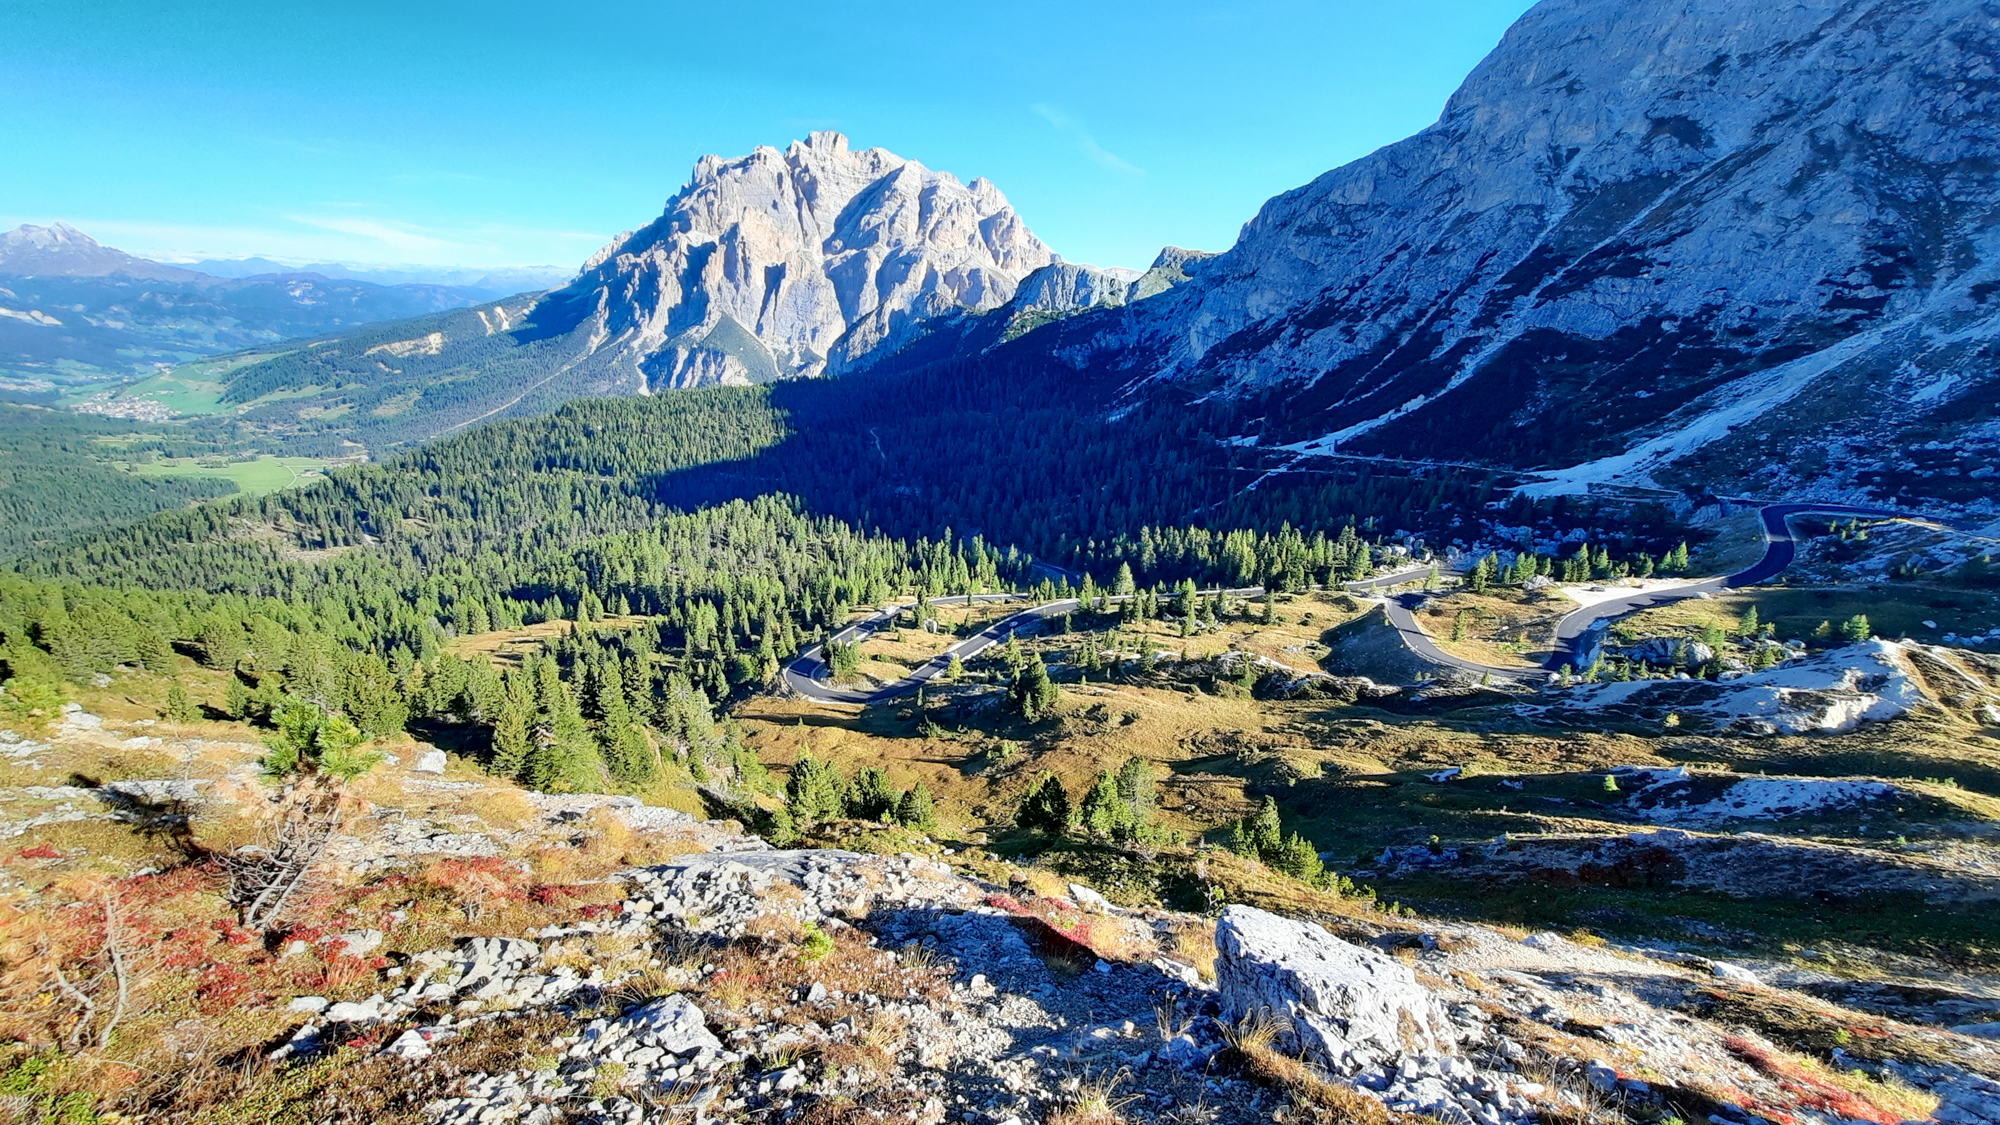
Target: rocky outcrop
{"type": "Point", "coordinates": [721, 893]}
{"type": "Point", "coordinates": [1347, 1006]}
{"type": "Point", "coordinates": [790, 264]}
{"type": "Point", "coordinates": [1835, 691]}
{"type": "Point", "coordinates": [1068, 287]}
{"type": "Point", "coordinates": [1668, 652]}
{"type": "Point", "coordinates": [1173, 267]}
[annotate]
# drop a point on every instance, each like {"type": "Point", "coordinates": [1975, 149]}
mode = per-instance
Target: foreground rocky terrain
{"type": "Point", "coordinates": [469, 952]}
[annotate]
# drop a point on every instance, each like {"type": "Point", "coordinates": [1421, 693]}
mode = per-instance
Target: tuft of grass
{"type": "Point", "coordinates": [609, 1080]}
{"type": "Point", "coordinates": [816, 945]}
{"type": "Point", "coordinates": [643, 987]}
{"type": "Point", "coordinates": [1253, 1043]}
{"type": "Point", "coordinates": [1092, 1099]}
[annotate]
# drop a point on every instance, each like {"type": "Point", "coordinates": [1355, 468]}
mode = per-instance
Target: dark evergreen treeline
{"type": "Point", "coordinates": [54, 481]}
{"type": "Point", "coordinates": [1029, 452]}
{"type": "Point", "coordinates": [347, 593]}
{"type": "Point", "coordinates": [699, 539]}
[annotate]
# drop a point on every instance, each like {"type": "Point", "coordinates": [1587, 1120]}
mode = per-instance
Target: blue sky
{"type": "Point", "coordinates": [500, 133]}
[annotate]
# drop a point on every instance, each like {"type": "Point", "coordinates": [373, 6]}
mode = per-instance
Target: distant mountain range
{"type": "Point", "coordinates": [64, 251]}
{"type": "Point", "coordinates": [490, 284]}
{"type": "Point", "coordinates": [73, 311]}
{"type": "Point", "coordinates": [818, 259]}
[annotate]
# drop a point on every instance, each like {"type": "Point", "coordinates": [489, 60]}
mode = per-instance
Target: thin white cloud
{"type": "Point", "coordinates": [396, 238]}
{"type": "Point", "coordinates": [1067, 124]}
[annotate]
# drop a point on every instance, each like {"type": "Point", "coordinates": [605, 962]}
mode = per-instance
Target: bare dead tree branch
{"type": "Point", "coordinates": [113, 945]}
{"type": "Point", "coordinates": [262, 885]}
{"type": "Point", "coordinates": [76, 995]}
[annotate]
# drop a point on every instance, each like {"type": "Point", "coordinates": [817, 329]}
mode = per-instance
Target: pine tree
{"type": "Point", "coordinates": [1750, 626]}
{"type": "Point", "coordinates": [1481, 578]}
{"type": "Point", "coordinates": [1123, 584]}
{"type": "Point", "coordinates": [1856, 628]}
{"type": "Point", "coordinates": [313, 740]}
{"type": "Point", "coordinates": [1033, 693]}
{"type": "Point", "coordinates": [842, 660]}
{"type": "Point", "coordinates": [916, 809]}
{"type": "Point", "coordinates": [638, 684]}
{"type": "Point", "coordinates": [221, 641]}
{"type": "Point", "coordinates": [237, 698]}
{"type": "Point", "coordinates": [512, 729]}
{"type": "Point", "coordinates": [1260, 835]}
{"type": "Point", "coordinates": [1299, 859]}
{"type": "Point", "coordinates": [815, 791]}
{"type": "Point", "coordinates": [1047, 808]}
{"type": "Point", "coordinates": [872, 797]}
{"type": "Point", "coordinates": [628, 755]}
{"type": "Point", "coordinates": [561, 757]}
{"type": "Point", "coordinates": [1135, 788]}
{"type": "Point", "coordinates": [180, 709]}
{"type": "Point", "coordinates": [1104, 814]}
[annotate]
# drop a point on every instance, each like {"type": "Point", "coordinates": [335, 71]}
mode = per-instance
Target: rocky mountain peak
{"type": "Point", "coordinates": [1645, 244]}
{"type": "Point", "coordinates": [61, 250]}
{"type": "Point", "coordinates": [791, 263]}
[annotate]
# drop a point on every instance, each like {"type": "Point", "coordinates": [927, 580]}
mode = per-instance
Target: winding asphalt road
{"type": "Point", "coordinates": [807, 675]}
{"type": "Point", "coordinates": [1577, 637]}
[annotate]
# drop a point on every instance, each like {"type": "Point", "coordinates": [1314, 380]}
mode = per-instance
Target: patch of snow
{"type": "Point", "coordinates": [1773, 798]}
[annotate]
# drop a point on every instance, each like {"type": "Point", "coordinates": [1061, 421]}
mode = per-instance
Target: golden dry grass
{"type": "Point", "coordinates": [1253, 1042]}
{"type": "Point", "coordinates": [1092, 1099]}
{"type": "Point", "coordinates": [506, 647]}
{"type": "Point", "coordinates": [1506, 628]}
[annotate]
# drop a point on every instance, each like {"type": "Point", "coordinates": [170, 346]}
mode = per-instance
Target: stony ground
{"type": "Point", "coordinates": [791, 982]}
{"type": "Point", "coordinates": [489, 955]}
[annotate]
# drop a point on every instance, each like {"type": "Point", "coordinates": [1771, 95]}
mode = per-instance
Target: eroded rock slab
{"type": "Point", "coordinates": [1348, 1006]}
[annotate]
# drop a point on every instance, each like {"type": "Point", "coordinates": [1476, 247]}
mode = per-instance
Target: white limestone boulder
{"type": "Point", "coordinates": [1347, 1006]}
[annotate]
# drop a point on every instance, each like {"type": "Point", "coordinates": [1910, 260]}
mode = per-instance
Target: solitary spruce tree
{"type": "Point", "coordinates": [1047, 809]}
{"type": "Point", "coordinates": [917, 810]}
{"type": "Point", "coordinates": [1033, 693]}
{"type": "Point", "coordinates": [815, 791]}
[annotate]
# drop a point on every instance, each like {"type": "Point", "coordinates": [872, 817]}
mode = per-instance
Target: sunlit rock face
{"type": "Point", "coordinates": [795, 263]}
{"type": "Point", "coordinates": [1649, 243]}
